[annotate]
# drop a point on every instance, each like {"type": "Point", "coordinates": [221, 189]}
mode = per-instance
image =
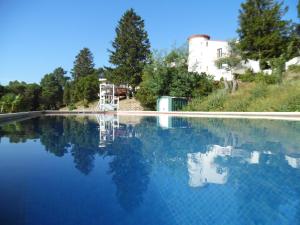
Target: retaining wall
{"type": "Point", "coordinates": [13, 116]}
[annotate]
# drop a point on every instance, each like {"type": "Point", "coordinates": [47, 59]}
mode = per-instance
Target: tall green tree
{"type": "Point", "coordinates": [2, 90]}
{"type": "Point", "coordinates": [262, 32]}
{"type": "Point", "coordinates": [59, 74]}
{"type": "Point", "coordinates": [87, 88]}
{"type": "Point", "coordinates": [67, 98]}
{"type": "Point", "coordinates": [52, 86]}
{"type": "Point", "coordinates": [83, 64]}
{"type": "Point", "coordinates": [131, 50]}
{"type": "Point", "coordinates": [31, 97]}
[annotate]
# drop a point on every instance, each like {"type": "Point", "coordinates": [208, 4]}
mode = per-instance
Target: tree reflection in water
{"type": "Point", "coordinates": [256, 157]}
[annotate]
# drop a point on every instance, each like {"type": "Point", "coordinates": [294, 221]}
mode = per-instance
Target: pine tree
{"type": "Point", "coordinates": [83, 64]}
{"type": "Point", "coordinates": [131, 50]}
{"type": "Point", "coordinates": [263, 33]}
{"type": "Point", "coordinates": [67, 94]}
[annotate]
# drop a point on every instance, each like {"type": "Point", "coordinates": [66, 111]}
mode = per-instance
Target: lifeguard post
{"type": "Point", "coordinates": [108, 101]}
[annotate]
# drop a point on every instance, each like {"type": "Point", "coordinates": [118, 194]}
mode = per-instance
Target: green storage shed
{"type": "Point", "coordinates": [169, 104]}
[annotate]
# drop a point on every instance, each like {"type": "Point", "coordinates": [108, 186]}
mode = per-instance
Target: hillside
{"type": "Point", "coordinates": [125, 105]}
{"type": "Point", "coordinates": [254, 97]}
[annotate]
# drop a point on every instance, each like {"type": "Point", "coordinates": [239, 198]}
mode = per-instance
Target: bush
{"type": "Point", "coordinates": [169, 75]}
{"type": "Point", "coordinates": [213, 102]}
{"type": "Point", "coordinates": [266, 79]}
{"type": "Point", "coordinates": [248, 76]}
{"type": "Point", "coordinates": [72, 107]}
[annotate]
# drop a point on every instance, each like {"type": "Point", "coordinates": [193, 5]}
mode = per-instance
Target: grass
{"type": "Point", "coordinates": [253, 97]}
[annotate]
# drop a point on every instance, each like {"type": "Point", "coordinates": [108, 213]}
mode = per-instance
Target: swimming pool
{"type": "Point", "coordinates": [149, 170]}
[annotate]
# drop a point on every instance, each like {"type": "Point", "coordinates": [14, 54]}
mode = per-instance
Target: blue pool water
{"type": "Point", "coordinates": [149, 170]}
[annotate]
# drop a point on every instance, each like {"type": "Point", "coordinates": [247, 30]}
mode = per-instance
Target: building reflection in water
{"type": "Point", "coordinates": [169, 122]}
{"type": "Point", "coordinates": [203, 168]}
{"type": "Point", "coordinates": [107, 128]}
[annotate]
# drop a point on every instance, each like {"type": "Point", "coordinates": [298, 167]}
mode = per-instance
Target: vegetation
{"type": "Point", "coordinates": [231, 62]}
{"type": "Point", "coordinates": [266, 37]}
{"type": "Point", "coordinates": [263, 33]}
{"type": "Point", "coordinates": [168, 75]}
{"type": "Point", "coordinates": [131, 51]}
{"type": "Point", "coordinates": [252, 97]}
{"type": "Point", "coordinates": [83, 64]}
{"type": "Point", "coordinates": [19, 96]}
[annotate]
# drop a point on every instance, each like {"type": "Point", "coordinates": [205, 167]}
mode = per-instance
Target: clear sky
{"type": "Point", "coordinates": [36, 36]}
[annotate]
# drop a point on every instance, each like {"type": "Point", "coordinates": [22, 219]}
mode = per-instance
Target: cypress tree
{"type": "Point", "coordinates": [83, 64]}
{"type": "Point", "coordinates": [263, 33]}
{"type": "Point", "coordinates": [131, 50]}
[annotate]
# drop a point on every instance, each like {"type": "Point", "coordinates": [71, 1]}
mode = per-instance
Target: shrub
{"type": "Point", "coordinates": [71, 107]}
{"type": "Point", "coordinates": [248, 76]}
{"type": "Point", "coordinates": [213, 102]}
{"type": "Point", "coordinates": [266, 79]}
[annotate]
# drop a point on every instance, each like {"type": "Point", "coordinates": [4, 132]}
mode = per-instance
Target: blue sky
{"type": "Point", "coordinates": [36, 36]}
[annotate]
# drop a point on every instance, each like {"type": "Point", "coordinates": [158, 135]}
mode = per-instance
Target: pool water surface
{"type": "Point", "coordinates": [79, 170]}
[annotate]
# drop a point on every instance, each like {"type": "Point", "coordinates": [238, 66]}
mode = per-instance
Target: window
{"type": "Point", "coordinates": [219, 52]}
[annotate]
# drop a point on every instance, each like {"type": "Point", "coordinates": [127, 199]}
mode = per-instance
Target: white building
{"type": "Point", "coordinates": [203, 53]}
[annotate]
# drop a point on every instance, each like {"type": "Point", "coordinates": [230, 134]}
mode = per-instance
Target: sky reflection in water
{"type": "Point", "coordinates": [149, 170]}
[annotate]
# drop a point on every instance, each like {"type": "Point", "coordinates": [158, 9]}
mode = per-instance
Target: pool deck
{"type": "Point", "coordinates": [293, 116]}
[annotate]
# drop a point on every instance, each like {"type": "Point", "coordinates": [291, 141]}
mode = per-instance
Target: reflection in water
{"type": "Point", "coordinates": [107, 127]}
{"type": "Point", "coordinates": [157, 164]}
{"type": "Point", "coordinates": [203, 169]}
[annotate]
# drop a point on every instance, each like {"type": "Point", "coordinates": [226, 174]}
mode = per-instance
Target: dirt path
{"type": "Point", "coordinates": [130, 105]}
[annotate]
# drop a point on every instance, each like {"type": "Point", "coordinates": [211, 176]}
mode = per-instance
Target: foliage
{"type": "Point", "coordinates": [86, 88]}
{"type": "Point", "coordinates": [261, 77]}
{"type": "Point", "coordinates": [83, 64]}
{"type": "Point", "coordinates": [213, 102]}
{"type": "Point", "coordinates": [52, 89]}
{"type": "Point", "coordinates": [248, 76]}
{"type": "Point", "coordinates": [10, 103]}
{"type": "Point", "coordinates": [2, 90]}
{"type": "Point", "coordinates": [278, 67]}
{"type": "Point", "coordinates": [31, 97]}
{"type": "Point", "coordinates": [187, 84]}
{"type": "Point", "coordinates": [253, 97]}
{"type": "Point", "coordinates": [67, 96]}
{"type": "Point", "coordinates": [131, 50]}
{"type": "Point", "coordinates": [263, 33]}
{"type": "Point", "coordinates": [168, 75]}
{"type": "Point", "coordinates": [19, 96]}
{"type": "Point", "coordinates": [232, 60]}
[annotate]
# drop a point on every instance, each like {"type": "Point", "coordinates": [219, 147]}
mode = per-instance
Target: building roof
{"type": "Point", "coordinates": [199, 35]}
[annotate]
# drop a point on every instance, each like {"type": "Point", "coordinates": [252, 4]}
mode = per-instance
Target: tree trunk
{"type": "Point", "coordinates": [226, 84]}
{"type": "Point", "coordinates": [234, 85]}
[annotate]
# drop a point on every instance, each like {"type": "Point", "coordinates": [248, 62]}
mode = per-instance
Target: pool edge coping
{"type": "Point", "coordinates": [292, 116]}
